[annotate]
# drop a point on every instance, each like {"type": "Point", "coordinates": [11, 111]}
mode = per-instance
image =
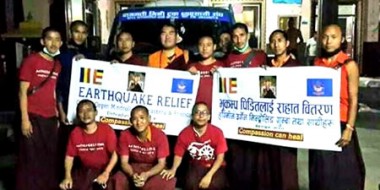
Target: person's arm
{"type": "Point", "coordinates": [307, 48]}
{"type": "Point", "coordinates": [300, 36]}
{"type": "Point", "coordinates": [206, 180]}
{"type": "Point", "coordinates": [125, 166]}
{"type": "Point", "coordinates": [62, 113]}
{"type": "Point", "coordinates": [26, 126]}
{"type": "Point", "coordinates": [67, 183]}
{"type": "Point", "coordinates": [103, 177]}
{"type": "Point", "coordinates": [169, 174]}
{"type": "Point", "coordinates": [353, 89]}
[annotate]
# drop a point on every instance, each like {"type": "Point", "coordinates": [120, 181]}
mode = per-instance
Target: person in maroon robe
{"type": "Point", "coordinates": [124, 53]}
{"type": "Point", "coordinates": [277, 166]}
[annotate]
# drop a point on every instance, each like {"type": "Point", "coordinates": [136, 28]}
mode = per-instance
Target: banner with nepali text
{"type": "Point", "coordinates": [293, 107]}
{"type": "Point", "coordinates": [117, 88]}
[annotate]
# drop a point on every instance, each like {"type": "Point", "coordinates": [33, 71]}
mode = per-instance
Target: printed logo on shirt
{"type": "Point", "coordinates": [228, 85]}
{"type": "Point", "coordinates": [142, 150]}
{"type": "Point", "coordinates": [319, 87]}
{"type": "Point", "coordinates": [88, 75]}
{"type": "Point", "coordinates": [183, 86]}
{"type": "Point", "coordinates": [201, 151]}
{"type": "Point", "coordinates": [90, 147]}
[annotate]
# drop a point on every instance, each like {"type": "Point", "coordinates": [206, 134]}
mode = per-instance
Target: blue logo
{"type": "Point", "coordinates": [319, 87]}
{"type": "Point", "coordinates": [184, 86]}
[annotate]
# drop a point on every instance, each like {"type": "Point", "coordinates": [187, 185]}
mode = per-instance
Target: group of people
{"type": "Point", "coordinates": [141, 151]}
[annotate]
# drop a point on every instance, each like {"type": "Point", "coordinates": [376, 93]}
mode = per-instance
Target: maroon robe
{"type": "Point", "coordinates": [277, 166]}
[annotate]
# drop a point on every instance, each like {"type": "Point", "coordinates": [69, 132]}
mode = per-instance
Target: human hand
{"type": "Point", "coordinates": [168, 174]}
{"type": "Point", "coordinates": [67, 183]}
{"type": "Point", "coordinates": [102, 179]}
{"type": "Point", "coordinates": [213, 69]}
{"type": "Point", "coordinates": [114, 61]}
{"type": "Point", "coordinates": [63, 118]}
{"type": "Point", "coordinates": [79, 57]}
{"type": "Point", "coordinates": [137, 181]}
{"type": "Point", "coordinates": [193, 70]}
{"type": "Point", "coordinates": [26, 128]}
{"type": "Point", "coordinates": [205, 182]}
{"type": "Point", "coordinates": [345, 139]}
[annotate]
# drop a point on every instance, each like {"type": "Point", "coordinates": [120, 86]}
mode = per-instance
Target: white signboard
{"type": "Point", "coordinates": [293, 107]}
{"type": "Point", "coordinates": [116, 89]}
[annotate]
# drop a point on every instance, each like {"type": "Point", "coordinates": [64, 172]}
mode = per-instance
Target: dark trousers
{"type": "Point", "coordinates": [37, 161]}
{"type": "Point", "coordinates": [196, 172]}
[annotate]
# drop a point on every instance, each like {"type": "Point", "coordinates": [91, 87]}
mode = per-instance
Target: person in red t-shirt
{"type": "Point", "coordinates": [242, 154]}
{"type": "Point", "coordinates": [206, 67]}
{"type": "Point", "coordinates": [124, 53]}
{"type": "Point", "coordinates": [241, 49]}
{"type": "Point", "coordinates": [95, 146]}
{"type": "Point", "coordinates": [277, 165]}
{"type": "Point", "coordinates": [38, 151]}
{"type": "Point", "coordinates": [143, 150]}
{"type": "Point", "coordinates": [206, 145]}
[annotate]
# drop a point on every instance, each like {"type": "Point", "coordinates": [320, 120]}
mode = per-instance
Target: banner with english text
{"type": "Point", "coordinates": [293, 107]}
{"type": "Point", "coordinates": [117, 88]}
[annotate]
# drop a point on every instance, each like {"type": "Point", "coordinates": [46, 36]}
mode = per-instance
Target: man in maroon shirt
{"type": "Point", "coordinates": [95, 146]}
{"type": "Point", "coordinates": [206, 145]}
{"type": "Point", "coordinates": [38, 144]}
{"type": "Point", "coordinates": [124, 53]}
{"type": "Point", "coordinates": [241, 49]}
{"type": "Point", "coordinates": [206, 67]}
{"type": "Point", "coordinates": [143, 150]}
{"type": "Point", "coordinates": [242, 155]}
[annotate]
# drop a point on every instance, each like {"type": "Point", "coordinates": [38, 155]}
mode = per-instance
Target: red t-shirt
{"type": "Point", "coordinates": [94, 150]}
{"type": "Point", "coordinates": [34, 70]}
{"type": "Point", "coordinates": [237, 60]}
{"type": "Point", "coordinates": [144, 152]}
{"type": "Point", "coordinates": [205, 84]}
{"type": "Point", "coordinates": [203, 149]}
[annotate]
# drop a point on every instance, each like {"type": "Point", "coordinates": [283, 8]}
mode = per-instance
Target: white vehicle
{"type": "Point", "coordinates": [191, 20]}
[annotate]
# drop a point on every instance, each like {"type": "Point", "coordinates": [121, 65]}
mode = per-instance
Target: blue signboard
{"type": "Point", "coordinates": [174, 15]}
{"type": "Point", "coordinates": [288, 1]}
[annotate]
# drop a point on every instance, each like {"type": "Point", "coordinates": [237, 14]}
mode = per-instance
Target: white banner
{"type": "Point", "coordinates": [293, 107]}
{"type": "Point", "coordinates": [116, 89]}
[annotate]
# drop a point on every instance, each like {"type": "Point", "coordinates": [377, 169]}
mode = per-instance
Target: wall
{"type": "Point", "coordinates": [107, 14]}
{"type": "Point", "coordinates": [39, 10]}
{"type": "Point", "coordinates": [274, 11]}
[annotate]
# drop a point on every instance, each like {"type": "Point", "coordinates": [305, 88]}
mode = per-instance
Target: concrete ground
{"type": "Point", "coordinates": [369, 140]}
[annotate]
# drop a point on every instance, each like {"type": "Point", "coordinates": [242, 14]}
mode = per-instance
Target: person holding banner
{"type": "Point", "coordinates": [95, 146]}
{"type": "Point", "coordinates": [37, 159]}
{"type": "Point", "coordinates": [345, 169]}
{"type": "Point", "coordinates": [205, 67]}
{"type": "Point", "coordinates": [206, 145]}
{"type": "Point", "coordinates": [242, 155]}
{"type": "Point", "coordinates": [124, 53]}
{"type": "Point", "coordinates": [277, 165]}
{"type": "Point", "coordinates": [171, 56]}
{"type": "Point", "coordinates": [143, 150]}
{"type": "Point", "coordinates": [76, 48]}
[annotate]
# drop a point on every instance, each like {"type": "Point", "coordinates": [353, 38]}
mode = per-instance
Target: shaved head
{"type": "Point", "coordinates": [332, 38]}
{"type": "Point", "coordinates": [333, 27]}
